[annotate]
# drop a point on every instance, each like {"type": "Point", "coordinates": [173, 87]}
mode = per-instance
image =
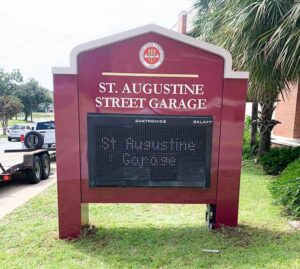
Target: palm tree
{"type": "Point", "coordinates": [263, 37]}
{"type": "Point", "coordinates": [284, 42]}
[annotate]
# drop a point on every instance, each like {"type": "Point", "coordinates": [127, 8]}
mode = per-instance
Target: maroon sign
{"type": "Point", "coordinates": [148, 116]}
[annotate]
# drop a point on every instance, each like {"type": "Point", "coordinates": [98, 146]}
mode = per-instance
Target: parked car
{"type": "Point", "coordinates": [42, 135]}
{"type": "Point", "coordinates": [15, 131]}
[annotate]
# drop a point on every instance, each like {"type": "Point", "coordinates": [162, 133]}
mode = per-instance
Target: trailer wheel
{"type": "Point", "coordinates": [34, 175]}
{"type": "Point", "coordinates": [45, 166]}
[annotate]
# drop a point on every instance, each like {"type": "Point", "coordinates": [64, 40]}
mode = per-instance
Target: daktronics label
{"type": "Point", "coordinates": [151, 55]}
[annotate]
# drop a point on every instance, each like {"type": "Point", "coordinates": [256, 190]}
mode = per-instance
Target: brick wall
{"type": "Point", "coordinates": [288, 113]}
{"type": "Point", "coordinates": [297, 115]}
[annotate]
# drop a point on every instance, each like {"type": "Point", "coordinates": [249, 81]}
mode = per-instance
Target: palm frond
{"type": "Point", "coordinates": [262, 36]}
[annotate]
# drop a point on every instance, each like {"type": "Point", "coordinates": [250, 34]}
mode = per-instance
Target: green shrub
{"type": "Point", "coordinates": [246, 138]}
{"type": "Point", "coordinates": [277, 159]}
{"type": "Point", "coordinates": [248, 150]}
{"type": "Point", "coordinates": [286, 190]}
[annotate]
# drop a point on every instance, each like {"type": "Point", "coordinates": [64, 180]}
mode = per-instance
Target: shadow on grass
{"type": "Point", "coordinates": [154, 247]}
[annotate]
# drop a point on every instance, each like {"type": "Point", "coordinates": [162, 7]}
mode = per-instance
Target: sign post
{"type": "Point", "coordinates": [148, 116]}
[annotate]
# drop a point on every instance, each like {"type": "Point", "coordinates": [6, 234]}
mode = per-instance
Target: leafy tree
{"type": "Point", "coordinates": [264, 39]}
{"type": "Point", "coordinates": [32, 95]}
{"type": "Point", "coordinates": [9, 107]}
{"type": "Point", "coordinates": [45, 99]}
{"type": "Point", "coordinates": [9, 82]}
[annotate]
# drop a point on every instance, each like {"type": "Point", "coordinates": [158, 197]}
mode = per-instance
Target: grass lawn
{"type": "Point", "coordinates": [35, 116]}
{"type": "Point", "coordinates": [153, 236]}
{"type": "Point", "coordinates": [43, 115]}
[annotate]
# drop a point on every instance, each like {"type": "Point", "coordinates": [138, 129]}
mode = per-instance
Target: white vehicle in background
{"type": "Point", "coordinates": [42, 135]}
{"type": "Point", "coordinates": [15, 131]}
{"type": "Point", "coordinates": [47, 129]}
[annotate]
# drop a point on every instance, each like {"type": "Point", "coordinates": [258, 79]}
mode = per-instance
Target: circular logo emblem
{"type": "Point", "coordinates": [151, 55]}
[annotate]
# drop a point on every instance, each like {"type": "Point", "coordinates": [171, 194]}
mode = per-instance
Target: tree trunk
{"type": "Point", "coordinates": [26, 116]}
{"type": "Point", "coordinates": [4, 124]}
{"type": "Point", "coordinates": [266, 125]}
{"type": "Point", "coordinates": [265, 142]}
{"type": "Point", "coordinates": [31, 109]}
{"type": "Point", "coordinates": [254, 123]}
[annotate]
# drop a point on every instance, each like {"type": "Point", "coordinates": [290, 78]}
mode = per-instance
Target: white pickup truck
{"type": "Point", "coordinates": [42, 135]}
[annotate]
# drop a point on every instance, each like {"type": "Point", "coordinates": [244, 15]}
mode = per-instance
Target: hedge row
{"type": "Point", "coordinates": [286, 189]}
{"type": "Point", "coordinates": [277, 159]}
{"type": "Point", "coordinates": [284, 161]}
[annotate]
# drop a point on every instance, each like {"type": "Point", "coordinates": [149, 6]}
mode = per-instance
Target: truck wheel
{"type": "Point", "coordinates": [9, 139]}
{"type": "Point", "coordinates": [45, 166]}
{"type": "Point", "coordinates": [34, 175]}
{"type": "Point", "coordinates": [33, 140]}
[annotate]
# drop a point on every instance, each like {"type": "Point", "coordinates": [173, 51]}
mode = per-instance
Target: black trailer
{"type": "Point", "coordinates": [35, 163]}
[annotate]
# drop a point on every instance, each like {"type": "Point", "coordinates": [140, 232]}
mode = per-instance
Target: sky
{"type": "Point", "coordinates": [38, 34]}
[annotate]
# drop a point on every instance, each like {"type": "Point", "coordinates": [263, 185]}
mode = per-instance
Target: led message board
{"type": "Point", "coordinates": [152, 151]}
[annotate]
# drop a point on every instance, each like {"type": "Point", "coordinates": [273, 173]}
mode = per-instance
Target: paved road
{"type": "Point", "coordinates": [5, 144]}
{"type": "Point", "coordinates": [17, 192]}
